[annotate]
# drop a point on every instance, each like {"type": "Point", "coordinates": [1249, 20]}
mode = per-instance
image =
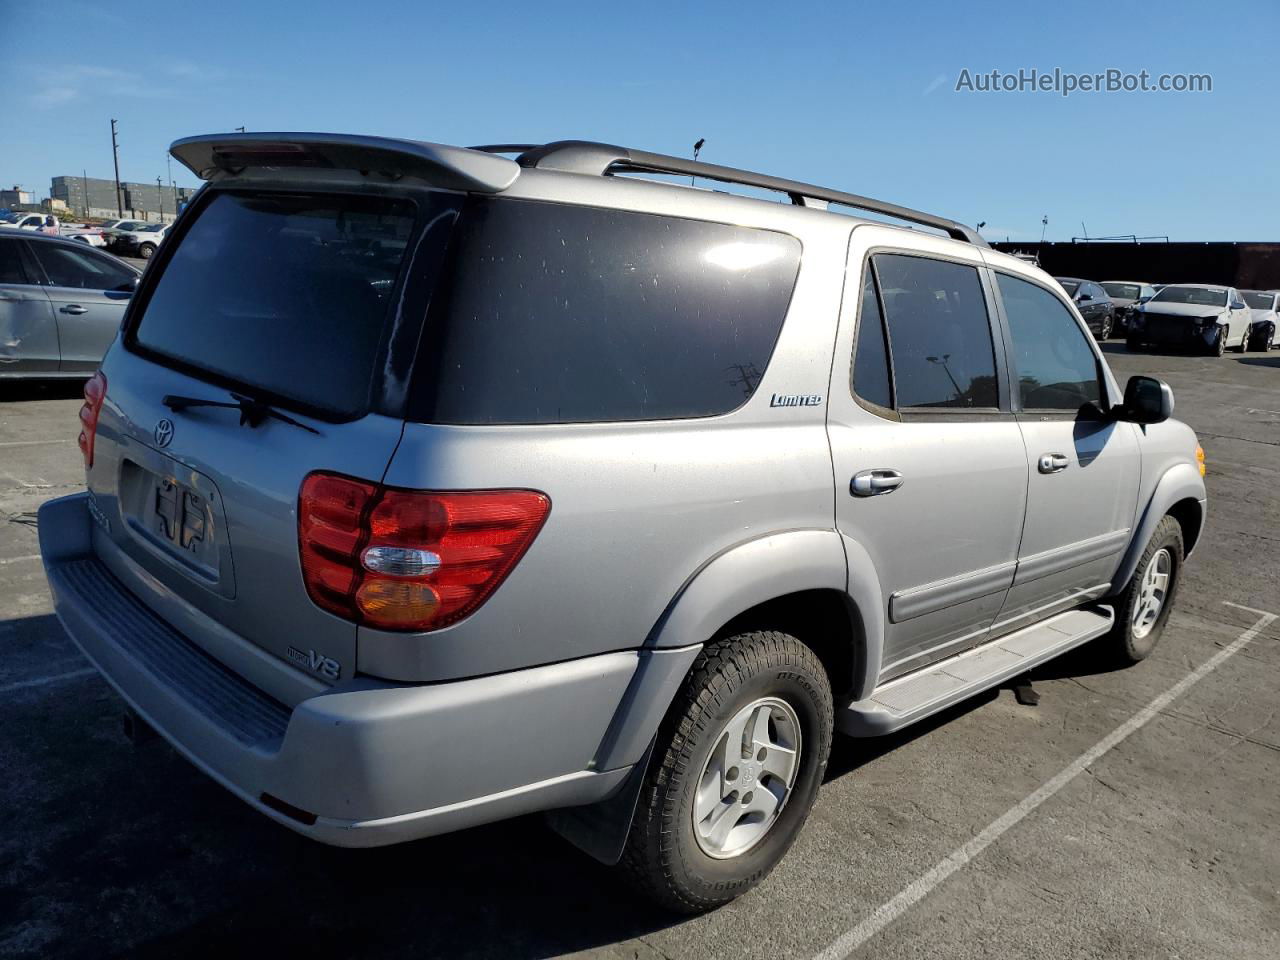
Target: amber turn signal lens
{"type": "Point", "coordinates": [1200, 458]}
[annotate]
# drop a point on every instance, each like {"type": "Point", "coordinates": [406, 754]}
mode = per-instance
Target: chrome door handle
{"type": "Point", "coordinates": [872, 483]}
{"type": "Point", "coordinates": [75, 309]}
{"type": "Point", "coordinates": [1053, 462]}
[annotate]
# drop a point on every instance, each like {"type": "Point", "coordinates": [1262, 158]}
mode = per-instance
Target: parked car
{"type": "Point", "coordinates": [79, 232]}
{"type": "Point", "coordinates": [1264, 317]}
{"type": "Point", "coordinates": [1125, 296]}
{"type": "Point", "coordinates": [114, 231]}
{"type": "Point", "coordinates": [23, 221]}
{"type": "Point", "coordinates": [1093, 303]}
{"type": "Point", "coordinates": [61, 304]}
{"type": "Point", "coordinates": [1204, 316]}
{"type": "Point", "coordinates": [548, 522]}
{"type": "Point", "coordinates": [143, 241]}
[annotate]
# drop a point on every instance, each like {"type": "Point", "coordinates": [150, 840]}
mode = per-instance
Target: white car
{"type": "Point", "coordinates": [28, 221]}
{"type": "Point", "coordinates": [114, 230]}
{"type": "Point", "coordinates": [141, 242]}
{"type": "Point", "coordinates": [1202, 315]}
{"type": "Point", "coordinates": [1264, 313]}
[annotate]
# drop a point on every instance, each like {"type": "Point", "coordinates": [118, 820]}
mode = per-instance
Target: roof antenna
{"type": "Point", "coordinates": [697, 148]}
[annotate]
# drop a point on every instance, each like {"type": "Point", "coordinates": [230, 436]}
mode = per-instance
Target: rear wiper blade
{"type": "Point", "coordinates": [252, 411]}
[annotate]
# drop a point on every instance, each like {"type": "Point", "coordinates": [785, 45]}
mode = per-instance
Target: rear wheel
{"type": "Point", "coordinates": [1244, 341]}
{"type": "Point", "coordinates": [1143, 608]}
{"type": "Point", "coordinates": [734, 773]}
{"type": "Point", "coordinates": [146, 250]}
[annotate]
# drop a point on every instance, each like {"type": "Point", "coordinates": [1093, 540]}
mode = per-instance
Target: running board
{"type": "Point", "coordinates": [903, 701]}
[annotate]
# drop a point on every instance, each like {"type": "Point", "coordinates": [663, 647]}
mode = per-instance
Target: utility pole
{"type": "Point", "coordinates": [115, 155]}
{"type": "Point", "coordinates": [84, 182]}
{"type": "Point", "coordinates": [168, 159]}
{"type": "Point", "coordinates": [160, 194]}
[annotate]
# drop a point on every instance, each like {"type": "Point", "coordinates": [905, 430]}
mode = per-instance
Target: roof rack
{"type": "Point", "coordinates": [585, 156]}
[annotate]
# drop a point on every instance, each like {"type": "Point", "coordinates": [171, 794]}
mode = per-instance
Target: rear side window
{"type": "Point", "coordinates": [11, 263]}
{"type": "Point", "coordinates": [939, 333]}
{"type": "Point", "coordinates": [553, 313]}
{"type": "Point", "coordinates": [285, 294]}
{"type": "Point", "coordinates": [1056, 368]}
{"type": "Point", "coordinates": [871, 360]}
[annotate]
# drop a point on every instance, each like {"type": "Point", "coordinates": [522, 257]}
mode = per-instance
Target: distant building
{"type": "Point", "coordinates": [16, 197]}
{"type": "Point", "coordinates": [97, 198]}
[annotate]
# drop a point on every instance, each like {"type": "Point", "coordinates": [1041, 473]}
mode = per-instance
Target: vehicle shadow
{"type": "Point", "coordinates": [17, 391]}
{"type": "Point", "coordinates": [1259, 361]}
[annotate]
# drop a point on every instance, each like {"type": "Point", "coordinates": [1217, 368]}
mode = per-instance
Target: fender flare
{"type": "Point", "coordinates": [745, 575]}
{"type": "Point", "coordinates": [1180, 482]}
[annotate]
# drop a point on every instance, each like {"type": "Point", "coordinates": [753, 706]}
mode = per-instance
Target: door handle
{"type": "Point", "coordinates": [1053, 462]}
{"type": "Point", "coordinates": [74, 309]}
{"type": "Point", "coordinates": [872, 483]}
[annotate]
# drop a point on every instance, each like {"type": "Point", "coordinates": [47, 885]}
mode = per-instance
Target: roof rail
{"type": "Point", "coordinates": [585, 156]}
{"type": "Point", "coordinates": [504, 147]}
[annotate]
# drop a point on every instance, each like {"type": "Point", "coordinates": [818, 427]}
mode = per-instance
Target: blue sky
{"type": "Point", "coordinates": [859, 96]}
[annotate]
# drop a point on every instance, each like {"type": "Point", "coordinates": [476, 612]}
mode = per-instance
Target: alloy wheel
{"type": "Point", "coordinates": [747, 779]}
{"type": "Point", "coordinates": [1152, 593]}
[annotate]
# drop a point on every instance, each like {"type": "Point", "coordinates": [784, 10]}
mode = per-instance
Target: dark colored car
{"type": "Point", "coordinates": [1093, 303]}
{"type": "Point", "coordinates": [1127, 296]}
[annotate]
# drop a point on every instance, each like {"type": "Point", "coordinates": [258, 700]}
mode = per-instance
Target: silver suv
{"type": "Point", "coordinates": [428, 487]}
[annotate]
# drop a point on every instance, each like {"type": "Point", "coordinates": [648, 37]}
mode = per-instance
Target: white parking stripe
{"type": "Point", "coordinates": [32, 443]}
{"type": "Point", "coordinates": [923, 885]}
{"type": "Point", "coordinates": [45, 681]}
{"type": "Point", "coordinates": [29, 556]}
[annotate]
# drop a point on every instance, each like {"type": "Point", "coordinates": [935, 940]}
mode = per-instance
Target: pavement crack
{"type": "Point", "coordinates": [1106, 783]}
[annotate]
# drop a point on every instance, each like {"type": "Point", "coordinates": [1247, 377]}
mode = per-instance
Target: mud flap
{"type": "Point", "coordinates": [600, 829]}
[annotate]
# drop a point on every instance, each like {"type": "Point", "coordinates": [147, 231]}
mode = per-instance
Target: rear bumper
{"type": "Point", "coordinates": [366, 762]}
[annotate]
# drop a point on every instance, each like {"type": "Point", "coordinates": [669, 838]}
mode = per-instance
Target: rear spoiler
{"type": "Point", "coordinates": [450, 167]}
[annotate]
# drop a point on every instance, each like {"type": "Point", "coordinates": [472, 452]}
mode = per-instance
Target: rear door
{"type": "Point", "coordinates": [89, 292]}
{"type": "Point", "coordinates": [930, 468]}
{"type": "Point", "coordinates": [288, 298]}
{"type": "Point", "coordinates": [28, 333]}
{"type": "Point", "coordinates": [1083, 466]}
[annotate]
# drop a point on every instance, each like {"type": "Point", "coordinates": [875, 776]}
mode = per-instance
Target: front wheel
{"type": "Point", "coordinates": [1143, 608]}
{"type": "Point", "coordinates": [1219, 346]}
{"type": "Point", "coordinates": [735, 771]}
{"type": "Point", "coordinates": [1104, 333]}
{"type": "Point", "coordinates": [1262, 340]}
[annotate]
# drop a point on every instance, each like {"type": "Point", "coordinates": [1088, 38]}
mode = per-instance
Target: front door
{"type": "Point", "coordinates": [89, 291]}
{"type": "Point", "coordinates": [930, 468]}
{"type": "Point", "coordinates": [1083, 466]}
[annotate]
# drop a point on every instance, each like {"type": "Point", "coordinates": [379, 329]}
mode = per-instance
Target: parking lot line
{"type": "Point", "coordinates": [45, 681]}
{"type": "Point", "coordinates": [29, 556]}
{"type": "Point", "coordinates": [923, 885]}
{"type": "Point", "coordinates": [32, 443]}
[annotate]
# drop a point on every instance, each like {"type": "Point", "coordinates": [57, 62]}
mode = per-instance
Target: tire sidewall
{"type": "Point", "coordinates": [717, 880]}
{"type": "Point", "coordinates": [1167, 536]}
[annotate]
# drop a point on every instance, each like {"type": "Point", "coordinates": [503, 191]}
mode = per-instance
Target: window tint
{"type": "Point", "coordinates": [552, 313]}
{"type": "Point", "coordinates": [871, 361]}
{"type": "Point", "coordinates": [11, 263]}
{"type": "Point", "coordinates": [80, 269]}
{"type": "Point", "coordinates": [939, 334]}
{"type": "Point", "coordinates": [1055, 368]}
{"type": "Point", "coordinates": [286, 293]}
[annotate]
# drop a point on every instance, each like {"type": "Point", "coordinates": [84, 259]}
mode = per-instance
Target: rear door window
{"type": "Point", "coordinates": [285, 294]}
{"type": "Point", "coordinates": [11, 270]}
{"type": "Point", "coordinates": [555, 313]}
{"type": "Point", "coordinates": [939, 333]}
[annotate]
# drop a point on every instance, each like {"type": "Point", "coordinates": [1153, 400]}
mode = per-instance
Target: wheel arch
{"type": "Point", "coordinates": [1179, 493]}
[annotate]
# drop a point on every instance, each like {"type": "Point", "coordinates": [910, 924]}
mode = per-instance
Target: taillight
{"type": "Point", "coordinates": [95, 391]}
{"type": "Point", "coordinates": [410, 559]}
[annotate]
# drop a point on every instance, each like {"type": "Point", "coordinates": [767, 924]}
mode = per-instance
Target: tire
{"type": "Point", "coordinates": [1262, 340]}
{"type": "Point", "coordinates": [1244, 342]}
{"type": "Point", "coordinates": [146, 250]}
{"type": "Point", "coordinates": [1107, 328]}
{"type": "Point", "coordinates": [1219, 346]}
{"type": "Point", "coordinates": [675, 860]}
{"type": "Point", "coordinates": [1130, 642]}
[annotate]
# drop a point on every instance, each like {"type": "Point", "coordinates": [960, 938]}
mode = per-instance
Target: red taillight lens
{"type": "Point", "coordinates": [95, 391]}
{"type": "Point", "coordinates": [408, 559]}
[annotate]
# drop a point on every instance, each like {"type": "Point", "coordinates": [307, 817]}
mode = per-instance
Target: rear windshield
{"type": "Point", "coordinates": [1124, 291]}
{"type": "Point", "coordinates": [285, 294]}
{"type": "Point", "coordinates": [554, 313]}
{"type": "Point", "coordinates": [1258, 301]}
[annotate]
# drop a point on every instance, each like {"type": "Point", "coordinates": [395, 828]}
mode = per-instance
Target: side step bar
{"type": "Point", "coordinates": [905, 700]}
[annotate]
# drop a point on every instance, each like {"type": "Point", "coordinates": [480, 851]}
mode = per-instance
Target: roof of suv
{"type": "Point", "coordinates": [484, 169]}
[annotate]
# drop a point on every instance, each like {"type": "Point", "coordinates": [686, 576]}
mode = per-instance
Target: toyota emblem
{"type": "Point", "coordinates": [164, 432]}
